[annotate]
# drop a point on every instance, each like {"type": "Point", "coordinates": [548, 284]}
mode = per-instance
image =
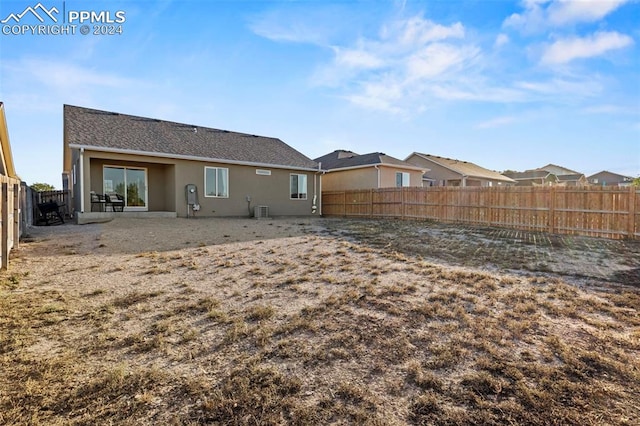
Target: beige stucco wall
{"type": "Point", "coordinates": [367, 178]}
{"type": "Point", "coordinates": [388, 177]}
{"type": "Point", "coordinates": [363, 178]}
{"type": "Point", "coordinates": [271, 191]}
{"type": "Point", "coordinates": [167, 178]}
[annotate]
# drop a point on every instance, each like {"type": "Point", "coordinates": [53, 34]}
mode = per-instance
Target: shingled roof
{"type": "Point", "coordinates": [115, 132]}
{"type": "Point", "coordinates": [465, 168]}
{"type": "Point", "coordinates": [527, 174]}
{"type": "Point", "coordinates": [341, 159]}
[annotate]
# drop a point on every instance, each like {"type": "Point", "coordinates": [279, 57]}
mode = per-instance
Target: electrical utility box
{"type": "Point", "coordinates": [191, 193]}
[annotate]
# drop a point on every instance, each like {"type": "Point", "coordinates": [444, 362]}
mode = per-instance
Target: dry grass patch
{"type": "Point", "coordinates": [352, 334]}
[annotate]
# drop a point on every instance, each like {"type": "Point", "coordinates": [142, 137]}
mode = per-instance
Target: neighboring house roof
{"type": "Point", "coordinates": [527, 174]}
{"type": "Point", "coordinates": [113, 132]}
{"type": "Point", "coordinates": [558, 170]}
{"type": "Point", "coordinates": [341, 159]}
{"type": "Point", "coordinates": [464, 168]}
{"type": "Point", "coordinates": [609, 177]}
{"type": "Point", "coordinates": [7, 167]}
{"type": "Point", "coordinates": [327, 160]}
{"type": "Point", "coordinates": [571, 178]}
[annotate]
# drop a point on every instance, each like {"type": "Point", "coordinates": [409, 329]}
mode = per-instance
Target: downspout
{"type": "Point", "coordinates": [81, 180]}
{"type": "Point", "coordinates": [376, 166]}
{"type": "Point", "coordinates": [316, 200]}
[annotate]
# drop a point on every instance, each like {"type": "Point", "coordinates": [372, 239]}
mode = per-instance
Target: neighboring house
{"type": "Point", "coordinates": [566, 177]}
{"type": "Point", "coordinates": [605, 178]}
{"type": "Point", "coordinates": [577, 179]}
{"type": "Point", "coordinates": [532, 177]}
{"type": "Point", "coordinates": [348, 170]}
{"type": "Point", "coordinates": [449, 172]}
{"type": "Point", "coordinates": [558, 170]}
{"type": "Point", "coordinates": [151, 164]}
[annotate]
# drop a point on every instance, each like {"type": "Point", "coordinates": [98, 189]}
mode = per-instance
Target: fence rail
{"type": "Point", "coordinates": [591, 211]}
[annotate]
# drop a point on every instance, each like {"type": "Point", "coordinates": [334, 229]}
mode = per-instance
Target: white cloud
{"type": "Point", "coordinates": [357, 58]}
{"type": "Point", "coordinates": [393, 72]}
{"type": "Point", "coordinates": [610, 109]}
{"type": "Point", "coordinates": [501, 40]}
{"type": "Point", "coordinates": [566, 50]}
{"type": "Point", "coordinates": [540, 15]}
{"type": "Point", "coordinates": [563, 12]}
{"type": "Point", "coordinates": [559, 88]}
{"type": "Point", "coordinates": [292, 32]}
{"type": "Point", "coordinates": [297, 24]}
{"type": "Point", "coordinates": [41, 84]}
{"type": "Point", "coordinates": [414, 63]}
{"type": "Point", "coordinates": [62, 76]}
{"type": "Point", "coordinates": [437, 59]}
{"type": "Point", "coordinates": [417, 31]}
{"type": "Point", "coordinates": [530, 21]}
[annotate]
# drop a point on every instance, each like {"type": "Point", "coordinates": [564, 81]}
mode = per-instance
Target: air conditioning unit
{"type": "Point", "coordinates": [261, 212]}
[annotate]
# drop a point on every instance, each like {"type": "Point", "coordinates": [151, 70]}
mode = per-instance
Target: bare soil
{"type": "Point", "coordinates": [317, 321]}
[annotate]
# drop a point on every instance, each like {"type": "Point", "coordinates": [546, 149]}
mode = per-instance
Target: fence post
{"type": "Point", "coordinates": [5, 225]}
{"type": "Point", "coordinates": [552, 209]}
{"type": "Point", "coordinates": [631, 223]}
{"type": "Point", "coordinates": [16, 215]}
{"type": "Point", "coordinates": [371, 203]}
{"type": "Point", "coordinates": [344, 203]}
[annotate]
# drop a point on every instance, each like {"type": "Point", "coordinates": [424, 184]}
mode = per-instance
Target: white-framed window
{"type": "Point", "coordinates": [216, 182]}
{"type": "Point", "coordinates": [298, 187]}
{"type": "Point", "coordinates": [402, 179]}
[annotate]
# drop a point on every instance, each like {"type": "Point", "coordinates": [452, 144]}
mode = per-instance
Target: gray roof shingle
{"type": "Point", "coordinates": [114, 131]}
{"type": "Point", "coordinates": [527, 174]}
{"type": "Point", "coordinates": [465, 168]}
{"type": "Point", "coordinates": [344, 159]}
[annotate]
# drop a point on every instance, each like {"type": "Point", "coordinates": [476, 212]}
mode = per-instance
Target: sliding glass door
{"type": "Point", "coordinates": [128, 182]}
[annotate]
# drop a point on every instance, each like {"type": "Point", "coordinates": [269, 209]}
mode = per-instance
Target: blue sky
{"type": "Point", "coordinates": [505, 84]}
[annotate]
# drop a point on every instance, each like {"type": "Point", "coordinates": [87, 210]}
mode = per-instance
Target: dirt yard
{"type": "Point", "coordinates": [317, 321]}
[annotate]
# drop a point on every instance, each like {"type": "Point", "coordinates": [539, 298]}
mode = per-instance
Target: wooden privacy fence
{"type": "Point", "coordinates": [591, 211]}
{"type": "Point", "coordinates": [9, 217]}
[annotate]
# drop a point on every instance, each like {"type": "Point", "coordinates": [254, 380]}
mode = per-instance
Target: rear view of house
{"type": "Point", "coordinates": [164, 168]}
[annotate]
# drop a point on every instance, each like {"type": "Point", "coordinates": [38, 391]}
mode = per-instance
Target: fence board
{"type": "Point", "coordinates": [610, 212]}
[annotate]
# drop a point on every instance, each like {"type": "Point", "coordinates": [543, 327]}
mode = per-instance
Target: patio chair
{"type": "Point", "coordinates": [50, 212]}
{"type": "Point", "coordinates": [98, 200]}
{"type": "Point", "coordinates": [116, 201]}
